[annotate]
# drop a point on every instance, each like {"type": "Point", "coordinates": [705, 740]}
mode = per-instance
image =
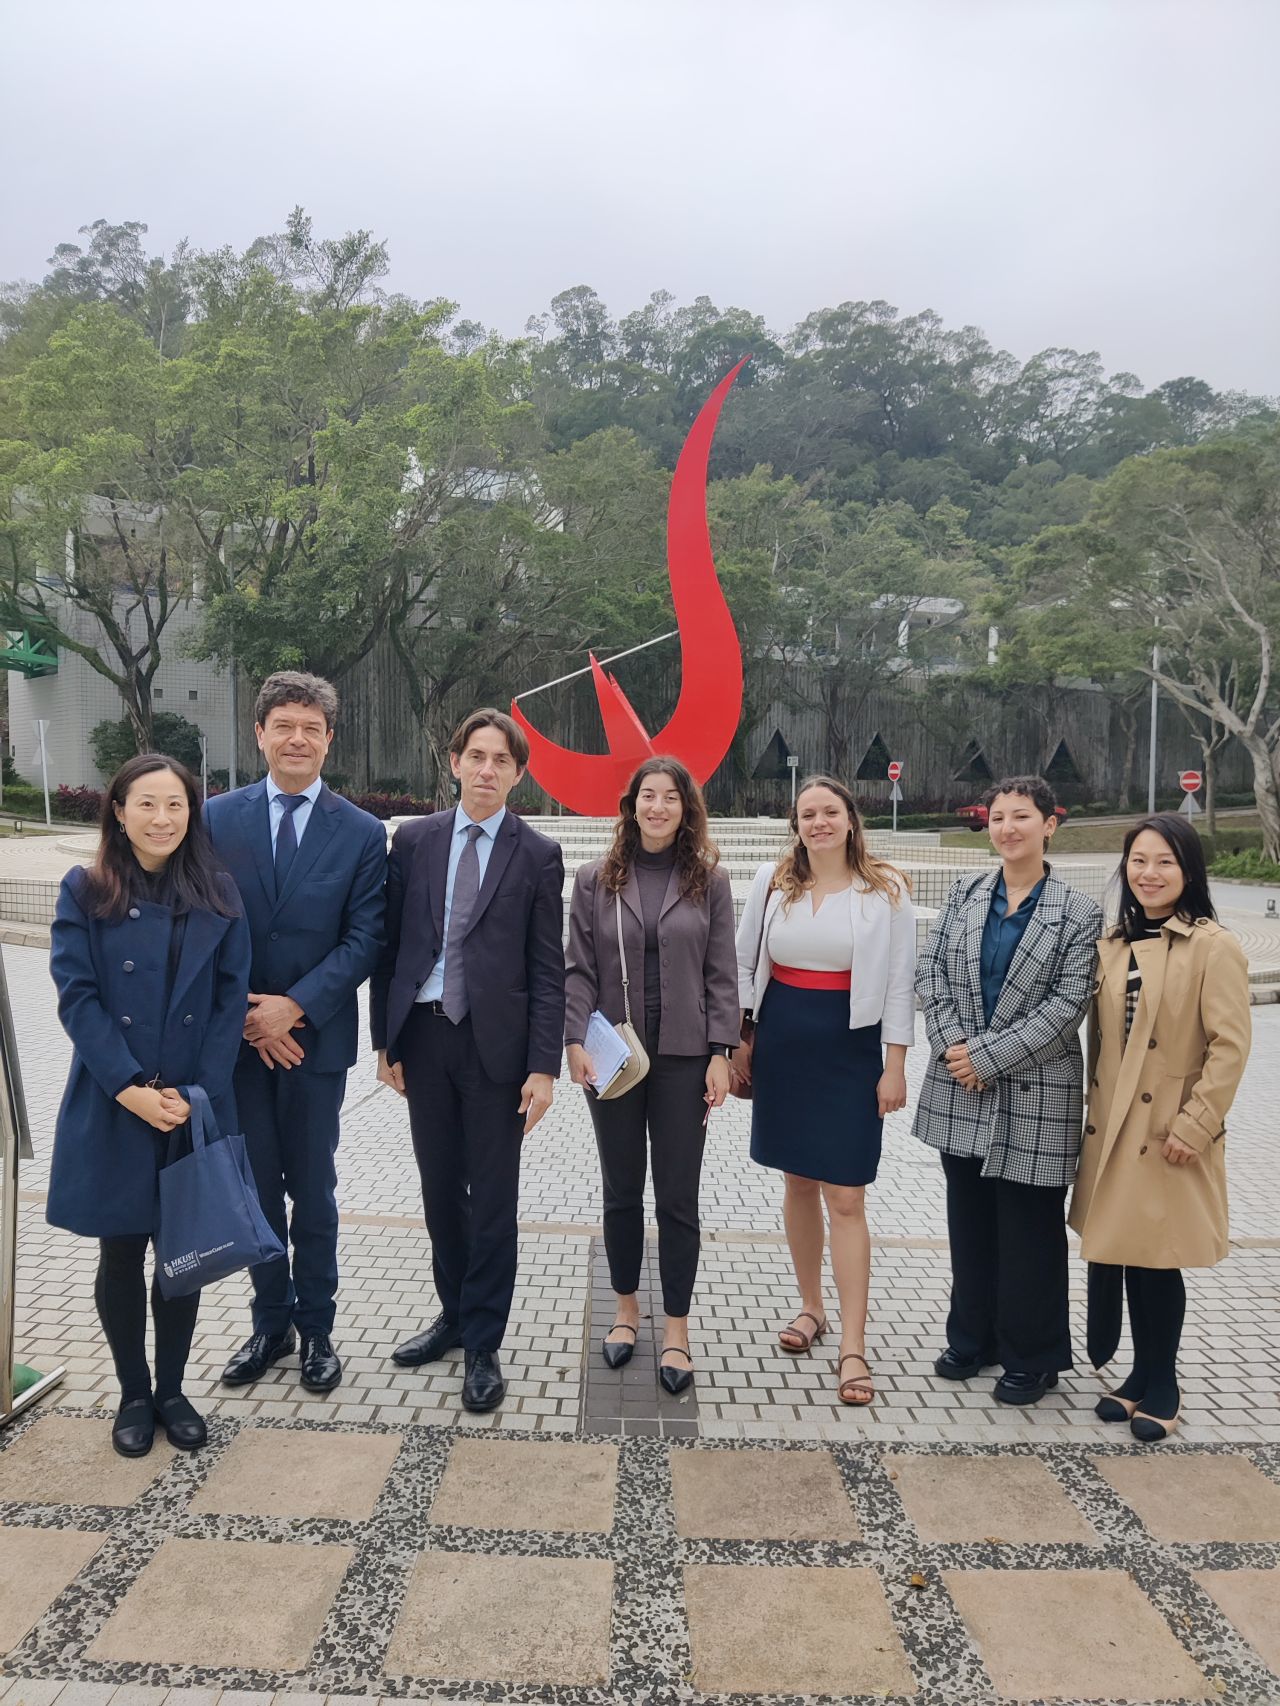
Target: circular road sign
{"type": "Point", "coordinates": [1190, 781]}
{"type": "Point", "coordinates": [895, 770]}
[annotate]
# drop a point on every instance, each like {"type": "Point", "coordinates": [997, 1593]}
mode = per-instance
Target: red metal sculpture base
{"type": "Point", "coordinates": [705, 719]}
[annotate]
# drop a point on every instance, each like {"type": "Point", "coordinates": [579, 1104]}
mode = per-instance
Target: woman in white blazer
{"type": "Point", "coordinates": [826, 969]}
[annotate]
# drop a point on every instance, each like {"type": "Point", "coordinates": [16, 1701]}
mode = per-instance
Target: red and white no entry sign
{"type": "Point", "coordinates": [895, 770]}
{"type": "Point", "coordinates": [1190, 781]}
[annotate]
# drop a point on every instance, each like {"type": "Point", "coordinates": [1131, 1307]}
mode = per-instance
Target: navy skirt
{"type": "Point", "coordinates": [814, 1109]}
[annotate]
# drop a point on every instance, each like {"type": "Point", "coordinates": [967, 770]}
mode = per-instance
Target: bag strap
{"type": "Point", "coordinates": [622, 955]}
{"type": "Point", "coordinates": [204, 1128]}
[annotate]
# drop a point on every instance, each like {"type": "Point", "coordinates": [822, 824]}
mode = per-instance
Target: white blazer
{"type": "Point", "coordinates": [882, 989]}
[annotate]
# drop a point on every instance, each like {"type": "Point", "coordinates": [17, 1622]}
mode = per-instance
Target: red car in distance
{"type": "Point", "coordinates": [976, 816]}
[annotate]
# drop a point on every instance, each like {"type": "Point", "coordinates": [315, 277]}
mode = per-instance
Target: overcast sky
{"type": "Point", "coordinates": [1093, 173]}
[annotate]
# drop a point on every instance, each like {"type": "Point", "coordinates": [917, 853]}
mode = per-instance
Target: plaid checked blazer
{"type": "Point", "coordinates": [1026, 1125]}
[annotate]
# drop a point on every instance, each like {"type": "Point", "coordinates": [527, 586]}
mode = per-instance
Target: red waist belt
{"type": "Point", "coordinates": [812, 979]}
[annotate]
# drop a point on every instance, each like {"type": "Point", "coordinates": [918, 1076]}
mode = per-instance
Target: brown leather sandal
{"type": "Point", "coordinates": [860, 1387]}
{"type": "Point", "coordinates": [810, 1339]}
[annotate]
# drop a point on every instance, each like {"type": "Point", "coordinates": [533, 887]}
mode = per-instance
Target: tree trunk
{"type": "Point", "coordinates": [1266, 788]}
{"type": "Point", "coordinates": [140, 712]}
{"type": "Point", "coordinates": [1129, 728]}
{"type": "Point", "coordinates": [1210, 791]}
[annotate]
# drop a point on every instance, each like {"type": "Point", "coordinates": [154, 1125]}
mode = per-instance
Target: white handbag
{"type": "Point", "coordinates": [637, 1064]}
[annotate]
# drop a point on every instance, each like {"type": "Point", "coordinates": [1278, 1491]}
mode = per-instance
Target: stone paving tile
{"type": "Point", "coordinates": [504, 1619]}
{"type": "Point", "coordinates": [1003, 1500]}
{"type": "Point", "coordinates": [69, 1460]}
{"type": "Point", "coordinates": [783, 1630]}
{"type": "Point", "coordinates": [268, 1472]}
{"type": "Point", "coordinates": [1197, 1497]}
{"type": "Point", "coordinates": [760, 1495]}
{"type": "Point", "coordinates": [528, 1484]}
{"type": "Point", "coordinates": [35, 1566]}
{"type": "Point", "coordinates": [1251, 1599]}
{"type": "Point", "coordinates": [260, 1606]}
{"type": "Point", "coordinates": [1072, 1635]}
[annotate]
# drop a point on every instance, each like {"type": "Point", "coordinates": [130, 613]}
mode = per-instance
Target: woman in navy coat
{"type": "Point", "coordinates": [150, 955]}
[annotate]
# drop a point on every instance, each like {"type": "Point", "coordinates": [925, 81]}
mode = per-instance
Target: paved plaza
{"type": "Point", "coordinates": [597, 1541]}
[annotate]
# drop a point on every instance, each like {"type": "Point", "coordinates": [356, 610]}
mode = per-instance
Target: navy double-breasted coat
{"type": "Point", "coordinates": [111, 976]}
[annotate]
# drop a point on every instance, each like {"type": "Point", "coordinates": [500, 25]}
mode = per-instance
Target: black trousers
{"type": "Point", "coordinates": [1008, 1270]}
{"type": "Point", "coordinates": [120, 1292]}
{"type": "Point", "coordinates": [290, 1125]}
{"type": "Point", "coordinates": [467, 1132]}
{"type": "Point", "coordinates": [662, 1116]}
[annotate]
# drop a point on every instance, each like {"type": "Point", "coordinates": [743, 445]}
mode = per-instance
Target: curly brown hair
{"type": "Point", "coordinates": [696, 854]}
{"type": "Point", "coordinates": [794, 873]}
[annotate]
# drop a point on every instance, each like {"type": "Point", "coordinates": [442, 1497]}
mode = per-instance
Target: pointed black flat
{"type": "Point", "coordinates": [675, 1379]}
{"type": "Point", "coordinates": [620, 1352]}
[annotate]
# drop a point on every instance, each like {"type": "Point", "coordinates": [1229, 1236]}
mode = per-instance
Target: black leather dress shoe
{"type": "Point", "coordinates": [321, 1364]}
{"type": "Point", "coordinates": [483, 1387]}
{"type": "Point", "coordinates": [1017, 1388]}
{"type": "Point", "coordinates": [952, 1366]}
{"type": "Point", "coordinates": [256, 1356]}
{"type": "Point", "coordinates": [134, 1429]}
{"type": "Point", "coordinates": [183, 1425]}
{"type": "Point", "coordinates": [429, 1346]}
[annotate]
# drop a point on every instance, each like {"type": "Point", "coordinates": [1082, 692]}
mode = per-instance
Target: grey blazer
{"type": "Point", "coordinates": [699, 963]}
{"type": "Point", "coordinates": [1026, 1125]}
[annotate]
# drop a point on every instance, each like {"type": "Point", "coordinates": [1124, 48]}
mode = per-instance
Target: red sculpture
{"type": "Point", "coordinates": [703, 724]}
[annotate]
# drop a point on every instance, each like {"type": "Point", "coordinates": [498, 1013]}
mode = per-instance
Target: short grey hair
{"type": "Point", "coordinates": [295, 687]}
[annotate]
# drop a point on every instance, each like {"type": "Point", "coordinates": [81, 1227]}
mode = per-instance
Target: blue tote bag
{"type": "Point", "coordinates": [210, 1220]}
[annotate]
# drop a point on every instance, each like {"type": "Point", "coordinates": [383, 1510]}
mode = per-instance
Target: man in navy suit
{"type": "Point", "coordinates": [311, 870]}
{"type": "Point", "coordinates": [467, 1013]}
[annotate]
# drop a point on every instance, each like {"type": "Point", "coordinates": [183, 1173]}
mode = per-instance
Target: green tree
{"type": "Point", "coordinates": [1182, 552]}
{"type": "Point", "coordinates": [174, 735]}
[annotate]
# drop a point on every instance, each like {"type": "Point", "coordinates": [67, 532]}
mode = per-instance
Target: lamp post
{"type": "Point", "coordinates": [1151, 752]}
{"type": "Point", "coordinates": [793, 765]}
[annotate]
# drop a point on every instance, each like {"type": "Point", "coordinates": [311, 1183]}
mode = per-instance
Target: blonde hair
{"type": "Point", "coordinates": [794, 872]}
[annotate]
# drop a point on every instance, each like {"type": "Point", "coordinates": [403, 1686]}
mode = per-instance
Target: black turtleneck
{"type": "Point", "coordinates": [653, 872]}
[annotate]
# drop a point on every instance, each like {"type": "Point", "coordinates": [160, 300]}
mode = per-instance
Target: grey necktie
{"type": "Point", "coordinates": [466, 886]}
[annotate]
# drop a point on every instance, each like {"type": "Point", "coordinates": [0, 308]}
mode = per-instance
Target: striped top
{"type": "Point", "coordinates": [1148, 930]}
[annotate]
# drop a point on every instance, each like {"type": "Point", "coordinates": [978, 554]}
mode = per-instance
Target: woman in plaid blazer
{"type": "Point", "coordinates": [1004, 981]}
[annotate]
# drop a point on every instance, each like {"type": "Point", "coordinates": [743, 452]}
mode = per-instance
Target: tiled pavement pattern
{"type": "Point", "coordinates": [305, 1560]}
{"type": "Point", "coordinates": [935, 1548]}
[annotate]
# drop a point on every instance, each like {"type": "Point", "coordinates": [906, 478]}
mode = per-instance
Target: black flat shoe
{"type": "Point", "coordinates": [483, 1387]}
{"type": "Point", "coordinates": [321, 1365]}
{"type": "Point", "coordinates": [256, 1356]}
{"type": "Point", "coordinates": [675, 1379]}
{"type": "Point", "coordinates": [1150, 1429]}
{"type": "Point", "coordinates": [134, 1430]}
{"type": "Point", "coordinates": [183, 1425]}
{"type": "Point", "coordinates": [952, 1366]}
{"type": "Point", "coordinates": [619, 1351]}
{"type": "Point", "coordinates": [1109, 1408]}
{"type": "Point", "coordinates": [429, 1345]}
{"type": "Point", "coordinates": [1019, 1388]}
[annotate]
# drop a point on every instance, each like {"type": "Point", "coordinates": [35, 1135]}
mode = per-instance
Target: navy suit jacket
{"type": "Point", "coordinates": [111, 976]}
{"type": "Point", "coordinates": [513, 951]}
{"type": "Point", "coordinates": [320, 939]}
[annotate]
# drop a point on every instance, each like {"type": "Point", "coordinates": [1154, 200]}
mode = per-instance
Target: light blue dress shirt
{"type": "Point", "coordinates": [301, 814]}
{"type": "Point", "coordinates": [433, 988]}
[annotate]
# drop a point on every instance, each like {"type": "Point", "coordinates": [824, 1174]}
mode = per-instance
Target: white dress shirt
{"type": "Point", "coordinates": [301, 814]}
{"type": "Point", "coordinates": [433, 988]}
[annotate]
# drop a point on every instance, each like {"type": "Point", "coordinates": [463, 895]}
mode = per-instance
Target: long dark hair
{"type": "Point", "coordinates": [1188, 849]}
{"type": "Point", "coordinates": [794, 872]}
{"type": "Point", "coordinates": [194, 880]}
{"type": "Point", "coordinates": [696, 854]}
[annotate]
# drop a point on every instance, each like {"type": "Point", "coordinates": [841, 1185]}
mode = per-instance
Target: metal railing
{"type": "Point", "coordinates": [15, 1146]}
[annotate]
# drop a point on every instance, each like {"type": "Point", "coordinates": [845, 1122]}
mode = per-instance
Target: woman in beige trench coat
{"type": "Point", "coordinates": [1169, 1039]}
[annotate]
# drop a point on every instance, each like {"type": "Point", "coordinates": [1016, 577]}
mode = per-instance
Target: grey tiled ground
{"type": "Point", "coordinates": [746, 1387]}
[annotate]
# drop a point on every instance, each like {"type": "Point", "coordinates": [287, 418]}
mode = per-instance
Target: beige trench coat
{"type": "Point", "coordinates": [1179, 1073]}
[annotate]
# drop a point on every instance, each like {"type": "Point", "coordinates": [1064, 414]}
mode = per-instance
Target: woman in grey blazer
{"type": "Point", "coordinates": [676, 919]}
{"type": "Point", "coordinates": [1004, 981]}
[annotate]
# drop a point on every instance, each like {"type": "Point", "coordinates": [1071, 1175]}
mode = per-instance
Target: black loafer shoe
{"type": "Point", "coordinates": [483, 1387]}
{"type": "Point", "coordinates": [134, 1430]}
{"type": "Point", "coordinates": [183, 1425]}
{"type": "Point", "coordinates": [441, 1336]}
{"type": "Point", "coordinates": [675, 1379]}
{"type": "Point", "coordinates": [256, 1356]}
{"type": "Point", "coordinates": [952, 1366]}
{"type": "Point", "coordinates": [321, 1365]}
{"type": "Point", "coordinates": [1018, 1388]}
